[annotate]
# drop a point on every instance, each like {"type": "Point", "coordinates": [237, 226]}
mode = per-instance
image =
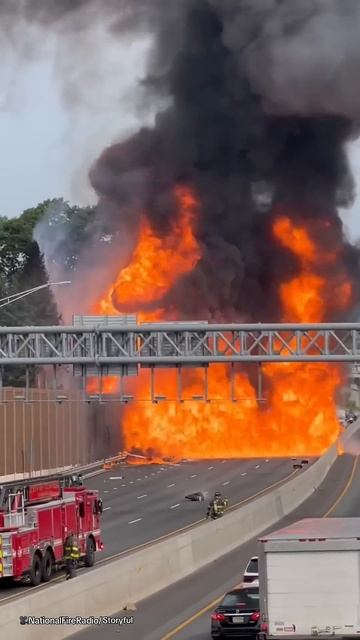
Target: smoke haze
{"type": "Point", "coordinates": [261, 101]}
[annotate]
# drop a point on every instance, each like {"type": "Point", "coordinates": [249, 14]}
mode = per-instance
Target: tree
{"type": "Point", "coordinates": [22, 268]}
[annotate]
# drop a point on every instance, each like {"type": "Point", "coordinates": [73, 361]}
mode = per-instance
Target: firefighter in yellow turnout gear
{"type": "Point", "coordinates": [71, 555]}
{"type": "Point", "coordinates": [217, 506]}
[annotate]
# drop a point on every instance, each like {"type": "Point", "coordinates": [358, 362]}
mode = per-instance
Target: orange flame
{"type": "Point", "coordinates": [300, 418]}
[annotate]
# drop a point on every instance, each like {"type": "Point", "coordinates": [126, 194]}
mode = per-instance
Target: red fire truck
{"type": "Point", "coordinates": [36, 516]}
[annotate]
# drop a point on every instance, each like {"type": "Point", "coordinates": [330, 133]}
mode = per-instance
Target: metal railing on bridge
{"type": "Point", "coordinates": [120, 350]}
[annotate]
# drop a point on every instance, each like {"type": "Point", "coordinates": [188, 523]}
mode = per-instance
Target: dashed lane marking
{"type": "Point", "coordinates": [175, 505]}
{"type": "Point", "coordinates": [143, 496]}
{"type": "Point", "coordinates": [257, 466]}
{"type": "Point", "coordinates": [171, 485]}
{"type": "Point", "coordinates": [165, 536]}
{"type": "Point", "coordinates": [133, 521]}
{"type": "Point", "coordinates": [225, 483]}
{"type": "Point", "coordinates": [186, 623]}
{"type": "Point", "coordinates": [106, 508]}
{"type": "Point", "coordinates": [244, 474]}
{"type": "Point", "coordinates": [210, 468]}
{"type": "Point", "coordinates": [193, 476]}
{"type": "Point", "coordinates": [116, 478]}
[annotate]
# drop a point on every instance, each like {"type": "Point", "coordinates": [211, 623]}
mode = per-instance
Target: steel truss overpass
{"type": "Point", "coordinates": [120, 350]}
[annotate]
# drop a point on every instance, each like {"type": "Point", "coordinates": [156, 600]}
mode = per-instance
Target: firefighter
{"type": "Point", "coordinates": [213, 506]}
{"type": "Point", "coordinates": [71, 555]}
{"type": "Point", "coordinates": [217, 506]}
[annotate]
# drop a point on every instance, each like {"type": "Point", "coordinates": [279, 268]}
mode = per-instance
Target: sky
{"type": "Point", "coordinates": [48, 144]}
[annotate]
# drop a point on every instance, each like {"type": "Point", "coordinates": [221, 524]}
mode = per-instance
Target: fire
{"type": "Point", "coordinates": [155, 266]}
{"type": "Point", "coordinates": [300, 417]}
{"type": "Point", "coordinates": [157, 263]}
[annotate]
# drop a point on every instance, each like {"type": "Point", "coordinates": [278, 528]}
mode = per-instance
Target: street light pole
{"type": "Point", "coordinates": [4, 302]}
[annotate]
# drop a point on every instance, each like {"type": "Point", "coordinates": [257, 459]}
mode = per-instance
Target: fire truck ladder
{"type": "Point", "coordinates": [15, 516]}
{"type": "Point", "coordinates": [63, 480]}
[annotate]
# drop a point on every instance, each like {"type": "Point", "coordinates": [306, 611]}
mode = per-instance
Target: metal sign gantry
{"type": "Point", "coordinates": [120, 350]}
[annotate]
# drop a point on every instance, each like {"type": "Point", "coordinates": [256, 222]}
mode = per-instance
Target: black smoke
{"type": "Point", "coordinates": [262, 100]}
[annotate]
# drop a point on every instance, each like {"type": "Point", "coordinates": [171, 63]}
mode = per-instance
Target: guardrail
{"type": "Point", "coordinates": [87, 470]}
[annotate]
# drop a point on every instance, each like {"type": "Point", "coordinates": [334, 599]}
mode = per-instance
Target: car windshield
{"type": "Point", "coordinates": [253, 566]}
{"type": "Point", "coordinates": [245, 598]}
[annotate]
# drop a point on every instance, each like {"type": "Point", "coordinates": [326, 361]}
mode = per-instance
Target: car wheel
{"type": "Point", "coordinates": [90, 553]}
{"type": "Point", "coordinates": [35, 571]}
{"type": "Point", "coordinates": [47, 567]}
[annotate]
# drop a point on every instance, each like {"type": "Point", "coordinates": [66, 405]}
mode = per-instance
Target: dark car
{"type": "Point", "coordinates": [195, 497]}
{"type": "Point", "coordinates": [238, 615]}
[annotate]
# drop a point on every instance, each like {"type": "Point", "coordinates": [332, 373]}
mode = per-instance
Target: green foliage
{"type": "Point", "coordinates": [22, 268]}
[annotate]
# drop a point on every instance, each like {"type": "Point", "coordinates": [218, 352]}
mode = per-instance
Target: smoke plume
{"type": "Point", "coordinates": [262, 99]}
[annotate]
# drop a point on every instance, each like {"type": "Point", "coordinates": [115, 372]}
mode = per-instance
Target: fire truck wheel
{"type": "Point", "coordinates": [90, 553]}
{"type": "Point", "coordinates": [35, 571]}
{"type": "Point", "coordinates": [47, 566]}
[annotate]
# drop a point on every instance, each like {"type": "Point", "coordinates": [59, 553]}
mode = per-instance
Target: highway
{"type": "Point", "coordinates": [144, 502]}
{"type": "Point", "coordinates": [183, 610]}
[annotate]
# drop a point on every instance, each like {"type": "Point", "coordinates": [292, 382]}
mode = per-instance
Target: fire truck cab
{"type": "Point", "coordinates": [36, 517]}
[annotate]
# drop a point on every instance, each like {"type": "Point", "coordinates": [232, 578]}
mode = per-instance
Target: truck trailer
{"type": "Point", "coordinates": [36, 517]}
{"type": "Point", "coordinates": [309, 580]}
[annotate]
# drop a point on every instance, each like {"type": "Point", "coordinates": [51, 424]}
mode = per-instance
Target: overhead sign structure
{"type": "Point", "coordinates": [119, 347]}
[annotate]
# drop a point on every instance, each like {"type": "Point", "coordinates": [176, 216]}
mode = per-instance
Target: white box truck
{"type": "Point", "coordinates": [309, 580]}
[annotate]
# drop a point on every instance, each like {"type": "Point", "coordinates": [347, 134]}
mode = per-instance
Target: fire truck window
{"type": "Point", "coordinates": [82, 510]}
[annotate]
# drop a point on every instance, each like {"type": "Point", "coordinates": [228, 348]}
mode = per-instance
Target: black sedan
{"type": "Point", "coordinates": [238, 614]}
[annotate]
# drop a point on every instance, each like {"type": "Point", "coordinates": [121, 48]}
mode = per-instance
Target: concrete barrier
{"type": "Point", "coordinates": [136, 576]}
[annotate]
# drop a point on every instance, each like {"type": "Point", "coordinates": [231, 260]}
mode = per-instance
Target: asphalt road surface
{"type": "Point", "coordinates": [183, 610]}
{"type": "Point", "coordinates": [149, 501]}
{"type": "Point", "coordinates": [144, 502]}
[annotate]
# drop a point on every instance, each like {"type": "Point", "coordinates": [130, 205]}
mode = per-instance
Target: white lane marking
{"type": "Point", "coordinates": [175, 505]}
{"type": "Point", "coordinates": [131, 481]}
{"type": "Point", "coordinates": [133, 521]}
{"type": "Point", "coordinates": [194, 476]}
{"type": "Point", "coordinates": [143, 496]}
{"type": "Point", "coordinates": [106, 508]}
{"type": "Point", "coordinates": [123, 485]}
{"type": "Point", "coordinates": [146, 476]}
{"type": "Point", "coordinates": [153, 474]}
{"type": "Point", "coordinates": [210, 468]}
{"type": "Point", "coordinates": [171, 485]}
{"type": "Point", "coordinates": [244, 474]}
{"type": "Point", "coordinates": [159, 471]}
{"type": "Point", "coordinates": [139, 478]}
{"type": "Point", "coordinates": [106, 491]}
{"type": "Point", "coordinates": [257, 466]}
{"type": "Point", "coordinates": [114, 488]}
{"type": "Point", "coordinates": [116, 478]}
{"type": "Point", "coordinates": [266, 460]}
{"type": "Point", "coordinates": [224, 483]}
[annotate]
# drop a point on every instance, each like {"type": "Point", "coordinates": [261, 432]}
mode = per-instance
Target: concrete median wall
{"type": "Point", "coordinates": [142, 573]}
